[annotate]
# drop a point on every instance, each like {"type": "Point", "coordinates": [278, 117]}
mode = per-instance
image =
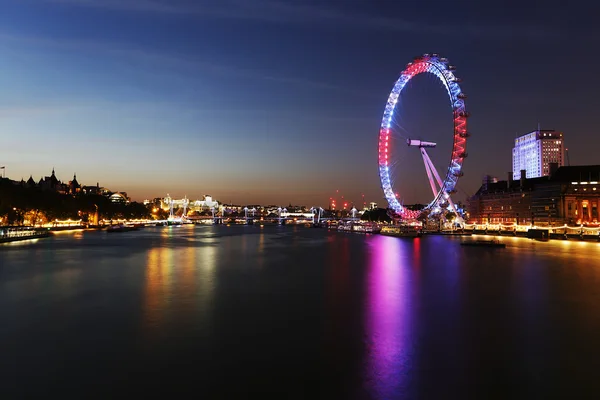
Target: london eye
{"type": "Point", "coordinates": [442, 189]}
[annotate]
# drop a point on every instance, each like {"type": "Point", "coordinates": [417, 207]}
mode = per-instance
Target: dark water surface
{"type": "Point", "coordinates": [292, 312]}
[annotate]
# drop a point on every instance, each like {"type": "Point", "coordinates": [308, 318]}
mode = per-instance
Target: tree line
{"type": "Point", "coordinates": [19, 204]}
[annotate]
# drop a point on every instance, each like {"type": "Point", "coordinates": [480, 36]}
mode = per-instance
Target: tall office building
{"type": "Point", "coordinates": [535, 151]}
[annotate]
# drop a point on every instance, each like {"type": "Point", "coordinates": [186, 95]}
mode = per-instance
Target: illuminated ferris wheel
{"type": "Point", "coordinates": [441, 188]}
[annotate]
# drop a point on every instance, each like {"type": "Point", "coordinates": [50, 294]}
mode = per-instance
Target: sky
{"type": "Point", "coordinates": [280, 101]}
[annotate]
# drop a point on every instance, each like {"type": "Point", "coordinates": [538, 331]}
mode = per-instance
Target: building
{"type": "Point", "coordinates": [52, 183]}
{"type": "Point", "coordinates": [198, 205]}
{"type": "Point", "coordinates": [206, 204]}
{"type": "Point", "coordinates": [74, 186]}
{"type": "Point", "coordinates": [570, 195]}
{"type": "Point", "coordinates": [119, 197]}
{"type": "Point", "coordinates": [95, 190]}
{"type": "Point", "coordinates": [535, 151]}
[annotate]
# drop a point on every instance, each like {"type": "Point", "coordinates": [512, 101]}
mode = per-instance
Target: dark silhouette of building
{"type": "Point", "coordinates": [74, 186]}
{"type": "Point", "coordinates": [52, 183]}
{"type": "Point", "coordinates": [30, 182]}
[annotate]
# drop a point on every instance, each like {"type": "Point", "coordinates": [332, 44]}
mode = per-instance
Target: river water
{"type": "Point", "coordinates": [292, 312]}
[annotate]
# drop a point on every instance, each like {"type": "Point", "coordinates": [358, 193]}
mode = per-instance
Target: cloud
{"type": "Point", "coordinates": [32, 111]}
{"type": "Point", "coordinates": [298, 12]}
{"type": "Point", "coordinates": [190, 65]}
{"type": "Point", "coordinates": [125, 5]}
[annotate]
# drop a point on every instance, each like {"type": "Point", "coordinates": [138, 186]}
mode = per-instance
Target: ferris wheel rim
{"type": "Point", "coordinates": [439, 67]}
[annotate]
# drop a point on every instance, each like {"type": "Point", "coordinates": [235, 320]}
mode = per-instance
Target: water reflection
{"type": "Point", "coordinates": [182, 276]}
{"type": "Point", "coordinates": [261, 248]}
{"type": "Point", "coordinates": [337, 296]}
{"type": "Point", "coordinates": [388, 317]}
{"type": "Point", "coordinates": [158, 282]}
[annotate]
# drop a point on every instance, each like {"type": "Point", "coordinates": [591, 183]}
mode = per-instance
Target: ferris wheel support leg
{"type": "Point", "coordinates": [432, 167]}
{"type": "Point", "coordinates": [428, 170]}
{"type": "Point", "coordinates": [439, 181]}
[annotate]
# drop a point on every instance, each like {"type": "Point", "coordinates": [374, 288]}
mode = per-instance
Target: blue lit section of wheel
{"type": "Point", "coordinates": [439, 67]}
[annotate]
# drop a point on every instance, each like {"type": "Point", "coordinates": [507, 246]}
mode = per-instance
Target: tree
{"type": "Point", "coordinates": [376, 215]}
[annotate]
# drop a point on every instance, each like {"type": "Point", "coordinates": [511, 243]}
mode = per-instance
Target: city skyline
{"type": "Point", "coordinates": [275, 102]}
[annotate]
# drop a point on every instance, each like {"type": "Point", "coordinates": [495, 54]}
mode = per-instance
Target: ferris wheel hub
{"type": "Point", "coordinates": [420, 143]}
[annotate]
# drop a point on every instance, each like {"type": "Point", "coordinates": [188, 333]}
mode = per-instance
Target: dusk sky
{"type": "Point", "coordinates": [273, 101]}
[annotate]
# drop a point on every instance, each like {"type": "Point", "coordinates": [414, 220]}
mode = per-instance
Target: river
{"type": "Point", "coordinates": [292, 312]}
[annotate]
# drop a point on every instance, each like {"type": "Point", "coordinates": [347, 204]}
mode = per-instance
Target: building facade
{"type": "Point", "coordinates": [570, 195]}
{"type": "Point", "coordinates": [206, 204]}
{"type": "Point", "coordinates": [535, 151]}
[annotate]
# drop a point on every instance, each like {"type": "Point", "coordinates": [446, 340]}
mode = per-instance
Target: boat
{"type": "Point", "coordinates": [372, 228]}
{"type": "Point", "coordinates": [401, 231]}
{"type": "Point", "coordinates": [14, 234]}
{"type": "Point", "coordinates": [484, 243]}
{"type": "Point", "coordinates": [122, 228]}
{"type": "Point", "coordinates": [366, 228]}
{"type": "Point", "coordinates": [332, 225]}
{"type": "Point", "coordinates": [344, 227]}
{"type": "Point", "coordinates": [452, 233]}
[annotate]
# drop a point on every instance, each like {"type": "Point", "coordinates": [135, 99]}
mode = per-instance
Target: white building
{"type": "Point", "coordinates": [535, 151]}
{"type": "Point", "coordinates": [197, 205]}
{"type": "Point", "coordinates": [206, 204]}
{"type": "Point", "coordinates": [119, 197]}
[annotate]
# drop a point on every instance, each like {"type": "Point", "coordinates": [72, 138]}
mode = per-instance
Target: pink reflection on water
{"type": "Point", "coordinates": [388, 317]}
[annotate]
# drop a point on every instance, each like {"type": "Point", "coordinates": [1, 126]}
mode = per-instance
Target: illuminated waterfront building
{"type": "Point", "coordinates": [535, 151]}
{"type": "Point", "coordinates": [198, 205]}
{"type": "Point", "coordinates": [119, 197]}
{"type": "Point", "coordinates": [569, 195]}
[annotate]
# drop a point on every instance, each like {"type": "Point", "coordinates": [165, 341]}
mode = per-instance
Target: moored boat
{"type": "Point", "coordinates": [14, 234]}
{"type": "Point", "coordinates": [484, 243]}
{"type": "Point", "coordinates": [122, 228]}
{"type": "Point", "coordinates": [344, 227]}
{"type": "Point", "coordinates": [401, 231]}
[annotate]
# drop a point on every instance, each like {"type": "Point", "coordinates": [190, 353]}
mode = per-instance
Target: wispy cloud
{"type": "Point", "coordinates": [30, 111]}
{"type": "Point", "coordinates": [169, 62]}
{"type": "Point", "coordinates": [299, 12]}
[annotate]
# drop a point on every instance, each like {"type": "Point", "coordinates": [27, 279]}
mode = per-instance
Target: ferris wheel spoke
{"type": "Point", "coordinates": [400, 130]}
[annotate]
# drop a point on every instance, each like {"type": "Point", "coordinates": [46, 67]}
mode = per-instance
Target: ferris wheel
{"type": "Point", "coordinates": [442, 189]}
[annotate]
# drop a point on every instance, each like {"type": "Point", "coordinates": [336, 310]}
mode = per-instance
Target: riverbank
{"type": "Point", "coordinates": [539, 234]}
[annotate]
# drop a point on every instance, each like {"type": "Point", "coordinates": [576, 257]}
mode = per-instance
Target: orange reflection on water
{"type": "Point", "coordinates": [179, 282]}
{"type": "Point", "coordinates": [158, 282]}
